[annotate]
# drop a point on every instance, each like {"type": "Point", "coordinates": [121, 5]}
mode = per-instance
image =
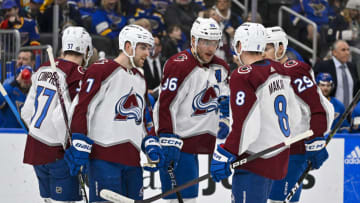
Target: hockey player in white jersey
{"type": "Point", "coordinates": [186, 115]}
{"type": "Point", "coordinates": [109, 119]}
{"type": "Point", "coordinates": [317, 115]}
{"type": "Point", "coordinates": [44, 145]}
{"type": "Point", "coordinates": [263, 111]}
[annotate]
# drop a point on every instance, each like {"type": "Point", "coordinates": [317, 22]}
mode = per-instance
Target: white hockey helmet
{"type": "Point", "coordinates": [251, 36]}
{"type": "Point", "coordinates": [276, 35]}
{"type": "Point", "coordinates": [205, 28]}
{"type": "Point", "coordinates": [134, 34]}
{"type": "Point", "coordinates": [77, 39]}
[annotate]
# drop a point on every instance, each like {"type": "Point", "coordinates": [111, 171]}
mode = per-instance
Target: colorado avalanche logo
{"type": "Point", "coordinates": [244, 69]}
{"type": "Point", "coordinates": [290, 64]}
{"type": "Point", "coordinates": [181, 57]}
{"type": "Point", "coordinates": [206, 101]}
{"type": "Point", "coordinates": [129, 106]}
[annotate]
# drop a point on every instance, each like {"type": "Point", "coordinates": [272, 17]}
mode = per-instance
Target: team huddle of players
{"type": "Point", "coordinates": [265, 101]}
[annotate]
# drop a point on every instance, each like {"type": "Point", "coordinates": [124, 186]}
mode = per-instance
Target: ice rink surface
{"type": "Point", "coordinates": [19, 184]}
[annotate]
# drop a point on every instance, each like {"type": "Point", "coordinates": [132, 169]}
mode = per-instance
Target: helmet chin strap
{"type": "Point", "coordinates": [196, 54]}
{"type": "Point", "coordinates": [238, 55]}
{"type": "Point", "coordinates": [131, 58]}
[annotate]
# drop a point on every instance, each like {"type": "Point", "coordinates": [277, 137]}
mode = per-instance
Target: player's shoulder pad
{"type": "Point", "coordinates": [101, 68]}
{"type": "Point", "coordinates": [296, 64]}
{"type": "Point", "coordinates": [179, 64]}
{"type": "Point", "coordinates": [245, 69]}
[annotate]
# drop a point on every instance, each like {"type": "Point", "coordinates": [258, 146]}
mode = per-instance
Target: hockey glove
{"type": "Point", "coordinates": [171, 145]}
{"type": "Point", "coordinates": [223, 130]}
{"type": "Point", "coordinates": [316, 151]}
{"type": "Point", "coordinates": [77, 156]}
{"type": "Point", "coordinates": [151, 147]}
{"type": "Point", "coordinates": [224, 106]}
{"type": "Point", "coordinates": [220, 164]}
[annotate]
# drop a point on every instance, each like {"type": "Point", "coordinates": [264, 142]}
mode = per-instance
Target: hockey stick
{"type": "Point", "coordinates": [66, 120]}
{"type": "Point", "coordinates": [173, 181]}
{"type": "Point", "coordinates": [13, 108]}
{"type": "Point", "coordinates": [117, 198]}
{"type": "Point", "coordinates": [331, 135]}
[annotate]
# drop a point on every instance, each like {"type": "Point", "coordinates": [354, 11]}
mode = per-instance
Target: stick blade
{"type": "Point", "coordinates": [114, 197]}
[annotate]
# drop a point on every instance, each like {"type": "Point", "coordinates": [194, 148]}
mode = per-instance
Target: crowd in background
{"type": "Point", "coordinates": [338, 28]}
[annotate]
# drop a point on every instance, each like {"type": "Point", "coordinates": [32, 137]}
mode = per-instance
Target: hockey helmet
{"type": "Point", "coordinates": [206, 28]}
{"type": "Point", "coordinates": [251, 36]}
{"type": "Point", "coordinates": [134, 34]}
{"type": "Point", "coordinates": [276, 35]}
{"type": "Point", "coordinates": [324, 78]}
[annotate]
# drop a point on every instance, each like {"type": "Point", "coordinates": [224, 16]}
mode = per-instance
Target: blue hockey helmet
{"type": "Point", "coordinates": [324, 77]}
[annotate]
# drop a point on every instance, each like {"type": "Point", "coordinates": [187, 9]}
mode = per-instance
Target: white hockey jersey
{"type": "Point", "coordinates": [264, 112]}
{"type": "Point", "coordinates": [187, 105]}
{"type": "Point", "coordinates": [109, 109]}
{"type": "Point", "coordinates": [45, 143]}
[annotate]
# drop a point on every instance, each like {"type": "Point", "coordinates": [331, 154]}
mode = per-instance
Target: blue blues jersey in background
{"type": "Point", "coordinates": [155, 17]}
{"type": "Point", "coordinates": [316, 10]}
{"type": "Point", "coordinates": [339, 111]}
{"type": "Point", "coordinates": [7, 118]}
{"type": "Point", "coordinates": [107, 23]}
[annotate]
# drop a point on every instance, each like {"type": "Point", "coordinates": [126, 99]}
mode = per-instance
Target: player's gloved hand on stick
{"type": "Point", "coordinates": [220, 164]}
{"type": "Point", "coordinates": [171, 145]}
{"type": "Point", "coordinates": [316, 151]}
{"type": "Point", "coordinates": [151, 147]}
{"type": "Point", "coordinates": [223, 106]}
{"type": "Point", "coordinates": [77, 156]}
{"type": "Point", "coordinates": [224, 128]}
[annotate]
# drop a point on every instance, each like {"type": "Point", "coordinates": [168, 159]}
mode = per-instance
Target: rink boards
{"type": "Point", "coordinates": [337, 181]}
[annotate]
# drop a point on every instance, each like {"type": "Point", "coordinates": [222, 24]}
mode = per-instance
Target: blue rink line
{"type": "Point", "coordinates": [12, 130]}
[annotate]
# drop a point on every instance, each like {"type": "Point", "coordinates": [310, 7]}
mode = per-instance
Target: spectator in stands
{"type": "Point", "coordinates": [12, 20]}
{"type": "Point", "coordinates": [86, 7]}
{"type": "Point", "coordinates": [143, 22]}
{"type": "Point", "coordinates": [317, 11]}
{"type": "Point", "coordinates": [346, 24]}
{"type": "Point", "coordinates": [108, 20]}
{"type": "Point", "coordinates": [258, 19]}
{"type": "Point", "coordinates": [153, 67]}
{"type": "Point", "coordinates": [161, 5]}
{"type": "Point", "coordinates": [326, 84]}
{"type": "Point", "coordinates": [17, 90]}
{"type": "Point", "coordinates": [173, 42]}
{"type": "Point", "coordinates": [34, 9]}
{"type": "Point", "coordinates": [25, 57]}
{"type": "Point", "coordinates": [228, 20]}
{"type": "Point", "coordinates": [69, 15]}
{"type": "Point", "coordinates": [346, 81]}
{"type": "Point", "coordinates": [145, 9]}
{"type": "Point", "coordinates": [183, 13]}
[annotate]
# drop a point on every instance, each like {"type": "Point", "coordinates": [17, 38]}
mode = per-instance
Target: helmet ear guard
{"type": "Point", "coordinates": [134, 34]}
{"type": "Point", "coordinates": [277, 36]}
{"type": "Point", "coordinates": [77, 39]}
{"type": "Point", "coordinates": [252, 38]}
